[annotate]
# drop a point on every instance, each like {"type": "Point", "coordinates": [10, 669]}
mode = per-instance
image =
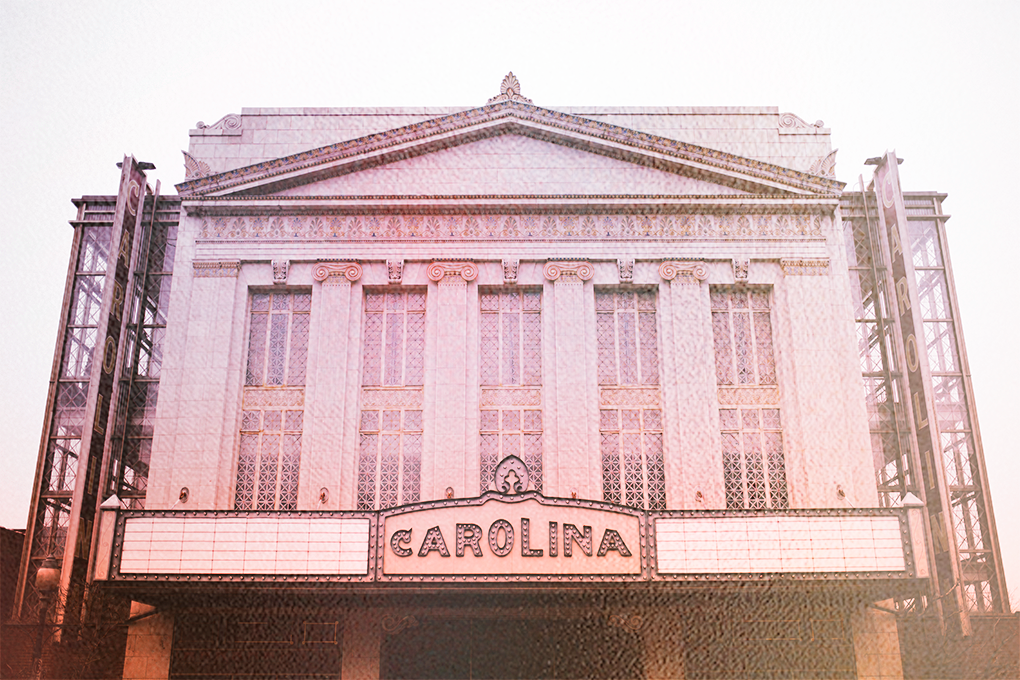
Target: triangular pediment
{"type": "Point", "coordinates": [510, 149]}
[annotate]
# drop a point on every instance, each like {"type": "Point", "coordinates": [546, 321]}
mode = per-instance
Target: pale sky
{"type": "Point", "coordinates": [82, 84]}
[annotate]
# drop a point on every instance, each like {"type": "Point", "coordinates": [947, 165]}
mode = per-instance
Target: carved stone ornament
{"type": "Point", "coordinates": [825, 166]}
{"type": "Point", "coordinates": [437, 271]}
{"type": "Point", "coordinates": [211, 269]}
{"type": "Point", "coordinates": [511, 476]}
{"type": "Point", "coordinates": [394, 270]}
{"type": "Point", "coordinates": [330, 272]}
{"type": "Point", "coordinates": [394, 624]}
{"type": "Point", "coordinates": [194, 168]}
{"type": "Point", "coordinates": [799, 267]}
{"type": "Point", "coordinates": [690, 273]}
{"type": "Point", "coordinates": [630, 622]}
{"type": "Point", "coordinates": [567, 228]}
{"type": "Point", "coordinates": [740, 268]}
{"type": "Point", "coordinates": [626, 268]}
{"type": "Point", "coordinates": [510, 91]}
{"type": "Point", "coordinates": [579, 269]}
{"type": "Point", "coordinates": [792, 120]}
{"type": "Point", "coordinates": [229, 124]}
{"type": "Point", "coordinates": [510, 268]}
{"type": "Point", "coordinates": [281, 268]}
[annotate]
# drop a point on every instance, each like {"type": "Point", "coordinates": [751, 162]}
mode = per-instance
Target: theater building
{"type": "Point", "coordinates": [513, 392]}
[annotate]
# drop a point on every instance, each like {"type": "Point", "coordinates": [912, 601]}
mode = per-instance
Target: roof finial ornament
{"type": "Point", "coordinates": [510, 91]}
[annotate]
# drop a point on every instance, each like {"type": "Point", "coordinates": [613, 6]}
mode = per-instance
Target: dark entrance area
{"type": "Point", "coordinates": [512, 648]}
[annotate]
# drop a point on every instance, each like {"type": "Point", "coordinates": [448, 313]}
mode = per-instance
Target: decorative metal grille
{"type": "Point", "coordinates": [269, 457]}
{"type": "Point", "coordinates": [389, 461]}
{"type": "Point", "coordinates": [742, 331]}
{"type": "Point", "coordinates": [633, 471]}
{"type": "Point", "coordinates": [754, 469]}
{"type": "Point", "coordinates": [511, 338]}
{"type": "Point", "coordinates": [510, 356]}
{"type": "Point", "coordinates": [389, 458]}
{"type": "Point", "coordinates": [394, 348]}
{"type": "Point", "coordinates": [510, 432]}
{"type": "Point", "coordinates": [627, 336]}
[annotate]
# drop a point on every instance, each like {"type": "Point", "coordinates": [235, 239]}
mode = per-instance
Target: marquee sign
{"type": "Point", "coordinates": [511, 537]}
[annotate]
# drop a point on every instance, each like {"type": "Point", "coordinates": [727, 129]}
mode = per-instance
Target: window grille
{"type": "Point", "coordinates": [394, 350]}
{"type": "Point", "coordinates": [628, 341]}
{"type": "Point", "coordinates": [510, 356]}
{"type": "Point", "coordinates": [270, 452]}
{"type": "Point", "coordinates": [389, 462]}
{"type": "Point", "coordinates": [511, 432]}
{"type": "Point", "coordinates": [743, 337]}
{"type": "Point", "coordinates": [511, 338]}
{"type": "Point", "coordinates": [633, 471]}
{"type": "Point", "coordinates": [393, 356]}
{"type": "Point", "coordinates": [753, 465]}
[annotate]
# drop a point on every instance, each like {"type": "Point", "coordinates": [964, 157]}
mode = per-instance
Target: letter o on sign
{"type": "Point", "coordinates": [508, 541]}
{"type": "Point", "coordinates": [911, 351]}
{"type": "Point", "coordinates": [109, 354]}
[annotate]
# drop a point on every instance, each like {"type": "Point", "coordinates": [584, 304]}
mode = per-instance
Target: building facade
{"type": "Point", "coordinates": [510, 392]}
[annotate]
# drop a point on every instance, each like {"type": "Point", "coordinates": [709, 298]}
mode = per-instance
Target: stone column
{"type": "Point", "coordinates": [450, 441]}
{"type": "Point", "coordinates": [335, 326]}
{"type": "Point", "coordinates": [567, 451]}
{"type": "Point", "coordinates": [877, 644]}
{"type": "Point", "coordinates": [692, 424]}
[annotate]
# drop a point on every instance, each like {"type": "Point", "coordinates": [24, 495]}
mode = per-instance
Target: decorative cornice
{"type": "Point", "coordinates": [324, 271]}
{"type": "Point", "coordinates": [510, 268]}
{"type": "Point", "coordinates": [510, 91]}
{"type": "Point", "coordinates": [216, 268]}
{"type": "Point", "coordinates": [528, 116]}
{"type": "Point", "coordinates": [802, 267]}
{"type": "Point", "coordinates": [437, 271]}
{"type": "Point", "coordinates": [580, 269]}
{"type": "Point", "coordinates": [689, 273]}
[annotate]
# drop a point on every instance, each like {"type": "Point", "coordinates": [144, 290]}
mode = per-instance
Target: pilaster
{"type": "Point", "coordinates": [692, 425]}
{"type": "Point", "coordinates": [568, 453]}
{"type": "Point", "coordinates": [336, 327]}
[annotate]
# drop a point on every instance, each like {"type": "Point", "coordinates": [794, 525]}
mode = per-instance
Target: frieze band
{"type": "Point", "coordinates": [508, 227]}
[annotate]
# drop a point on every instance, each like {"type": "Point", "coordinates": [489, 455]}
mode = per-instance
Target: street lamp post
{"type": "Point", "coordinates": [47, 580]}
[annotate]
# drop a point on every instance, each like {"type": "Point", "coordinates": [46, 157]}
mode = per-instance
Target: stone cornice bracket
{"type": "Point", "coordinates": [205, 269]}
{"type": "Point", "coordinates": [626, 269]}
{"type": "Point", "coordinates": [438, 271]}
{"type": "Point", "coordinates": [281, 268]}
{"type": "Point", "coordinates": [805, 267]}
{"type": "Point", "coordinates": [689, 273]}
{"type": "Point", "coordinates": [740, 269]}
{"type": "Point", "coordinates": [333, 272]}
{"type": "Point", "coordinates": [510, 268]}
{"type": "Point", "coordinates": [568, 269]}
{"type": "Point", "coordinates": [510, 91]}
{"type": "Point", "coordinates": [394, 271]}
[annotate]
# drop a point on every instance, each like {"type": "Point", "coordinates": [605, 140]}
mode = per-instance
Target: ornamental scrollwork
{"type": "Point", "coordinates": [805, 267]}
{"type": "Point", "coordinates": [579, 269]}
{"type": "Point", "coordinates": [437, 271]}
{"type": "Point", "coordinates": [351, 271]}
{"type": "Point", "coordinates": [626, 270]}
{"type": "Point", "coordinates": [683, 272]}
{"type": "Point", "coordinates": [281, 269]}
